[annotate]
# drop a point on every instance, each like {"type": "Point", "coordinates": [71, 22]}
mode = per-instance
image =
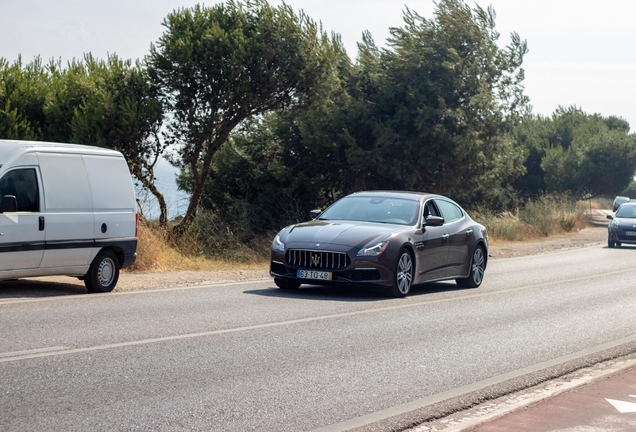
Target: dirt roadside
{"type": "Point", "coordinates": [128, 281]}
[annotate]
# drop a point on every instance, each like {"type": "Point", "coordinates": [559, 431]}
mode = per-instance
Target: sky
{"type": "Point", "coordinates": [581, 52]}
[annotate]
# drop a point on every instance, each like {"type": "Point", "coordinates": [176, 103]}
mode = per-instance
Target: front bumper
{"type": "Point", "coordinates": [375, 271]}
{"type": "Point", "coordinates": [622, 235]}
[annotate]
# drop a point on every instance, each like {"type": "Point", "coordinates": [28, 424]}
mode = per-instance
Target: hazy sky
{"type": "Point", "coordinates": [582, 52]}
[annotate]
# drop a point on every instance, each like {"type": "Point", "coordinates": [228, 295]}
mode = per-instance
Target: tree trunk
{"type": "Point", "coordinates": [148, 182]}
{"type": "Point", "coordinates": [201, 176]}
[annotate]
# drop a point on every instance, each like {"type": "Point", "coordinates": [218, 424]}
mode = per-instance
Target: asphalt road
{"type": "Point", "coordinates": [248, 356]}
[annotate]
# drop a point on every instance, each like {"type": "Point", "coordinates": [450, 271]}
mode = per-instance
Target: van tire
{"type": "Point", "coordinates": [103, 273]}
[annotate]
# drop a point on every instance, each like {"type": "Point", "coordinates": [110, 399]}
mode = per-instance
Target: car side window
{"type": "Point", "coordinates": [450, 211]}
{"type": "Point", "coordinates": [23, 184]}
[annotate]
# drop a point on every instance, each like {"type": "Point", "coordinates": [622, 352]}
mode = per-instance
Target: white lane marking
{"type": "Point", "coordinates": [33, 351]}
{"type": "Point", "coordinates": [622, 406]}
{"type": "Point", "coordinates": [306, 320]}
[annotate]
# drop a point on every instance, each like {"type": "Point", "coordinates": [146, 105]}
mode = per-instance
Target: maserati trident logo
{"type": "Point", "coordinates": [315, 259]}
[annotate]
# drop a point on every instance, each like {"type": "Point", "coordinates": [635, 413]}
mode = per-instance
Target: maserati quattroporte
{"type": "Point", "coordinates": [389, 239]}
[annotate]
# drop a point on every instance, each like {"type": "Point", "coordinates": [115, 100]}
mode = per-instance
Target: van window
{"type": "Point", "coordinates": [23, 183]}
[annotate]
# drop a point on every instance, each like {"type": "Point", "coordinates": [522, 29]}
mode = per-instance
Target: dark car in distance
{"type": "Point", "coordinates": [384, 238]}
{"type": "Point", "coordinates": [622, 229]}
{"type": "Point", "coordinates": [618, 201]}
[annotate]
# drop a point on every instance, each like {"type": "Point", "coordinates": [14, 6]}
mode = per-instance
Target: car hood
{"type": "Point", "coordinates": [342, 233]}
{"type": "Point", "coordinates": [626, 223]}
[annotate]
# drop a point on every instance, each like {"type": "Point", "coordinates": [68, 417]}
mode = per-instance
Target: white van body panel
{"type": "Point", "coordinates": [108, 174]}
{"type": "Point", "coordinates": [86, 203]}
{"type": "Point", "coordinates": [17, 228]}
{"type": "Point", "coordinates": [69, 209]}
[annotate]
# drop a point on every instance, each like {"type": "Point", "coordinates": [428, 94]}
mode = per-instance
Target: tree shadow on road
{"type": "Point", "coordinates": [351, 293]}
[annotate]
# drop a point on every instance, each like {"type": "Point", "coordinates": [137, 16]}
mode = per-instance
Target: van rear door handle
{"type": "Point", "coordinates": [41, 220]}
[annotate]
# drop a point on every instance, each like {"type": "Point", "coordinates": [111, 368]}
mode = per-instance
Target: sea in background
{"type": "Point", "coordinates": [176, 200]}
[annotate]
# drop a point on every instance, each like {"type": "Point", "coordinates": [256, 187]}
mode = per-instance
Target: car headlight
{"type": "Point", "coordinates": [374, 250]}
{"type": "Point", "coordinates": [278, 245]}
{"type": "Point", "coordinates": [615, 224]}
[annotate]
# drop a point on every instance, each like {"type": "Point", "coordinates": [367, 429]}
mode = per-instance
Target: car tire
{"type": "Point", "coordinates": [286, 284]}
{"type": "Point", "coordinates": [610, 243]}
{"type": "Point", "coordinates": [403, 276]}
{"type": "Point", "coordinates": [619, 244]}
{"type": "Point", "coordinates": [103, 273]}
{"type": "Point", "coordinates": [477, 268]}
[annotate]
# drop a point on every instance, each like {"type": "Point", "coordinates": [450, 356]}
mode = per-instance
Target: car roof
{"type": "Point", "coordinates": [397, 194]}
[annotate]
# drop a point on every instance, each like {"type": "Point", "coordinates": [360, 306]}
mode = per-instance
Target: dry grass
{"type": "Point", "coordinates": [547, 216]}
{"type": "Point", "coordinates": [156, 253]}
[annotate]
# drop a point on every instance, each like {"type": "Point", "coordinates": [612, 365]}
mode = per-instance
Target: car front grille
{"type": "Point", "coordinates": [300, 258]}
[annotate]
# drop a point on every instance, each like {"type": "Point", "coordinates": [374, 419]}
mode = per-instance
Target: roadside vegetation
{"type": "Point", "coordinates": [211, 244]}
{"type": "Point", "coordinates": [268, 117]}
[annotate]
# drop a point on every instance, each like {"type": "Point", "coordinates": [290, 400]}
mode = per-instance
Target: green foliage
{"type": "Point", "coordinates": [23, 94]}
{"type": "Point", "coordinates": [217, 66]}
{"type": "Point", "coordinates": [577, 153]}
{"type": "Point", "coordinates": [431, 113]}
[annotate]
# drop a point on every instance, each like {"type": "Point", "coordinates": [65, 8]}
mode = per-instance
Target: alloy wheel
{"type": "Point", "coordinates": [478, 266]}
{"type": "Point", "coordinates": [404, 273]}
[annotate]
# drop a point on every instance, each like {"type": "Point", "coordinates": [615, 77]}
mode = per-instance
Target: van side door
{"type": "Point", "coordinates": [22, 232]}
{"type": "Point", "coordinates": [68, 210]}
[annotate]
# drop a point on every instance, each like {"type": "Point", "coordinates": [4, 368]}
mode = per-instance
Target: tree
{"type": "Point", "coordinates": [23, 95]}
{"type": "Point", "coordinates": [575, 152]}
{"type": "Point", "coordinates": [215, 67]}
{"type": "Point", "coordinates": [453, 96]}
{"type": "Point", "coordinates": [432, 113]}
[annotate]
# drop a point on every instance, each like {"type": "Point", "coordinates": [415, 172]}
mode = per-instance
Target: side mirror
{"type": "Point", "coordinates": [434, 221]}
{"type": "Point", "coordinates": [610, 217]}
{"type": "Point", "coordinates": [315, 213]}
{"type": "Point", "coordinates": [9, 204]}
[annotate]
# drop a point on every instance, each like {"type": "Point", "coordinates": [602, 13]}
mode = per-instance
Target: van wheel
{"type": "Point", "coordinates": [103, 273]}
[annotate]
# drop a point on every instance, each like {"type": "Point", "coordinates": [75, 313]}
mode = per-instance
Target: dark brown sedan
{"type": "Point", "coordinates": [389, 239]}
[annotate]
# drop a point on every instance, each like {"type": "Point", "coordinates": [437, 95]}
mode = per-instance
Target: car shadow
{"type": "Point", "coordinates": [29, 288]}
{"type": "Point", "coordinates": [351, 293]}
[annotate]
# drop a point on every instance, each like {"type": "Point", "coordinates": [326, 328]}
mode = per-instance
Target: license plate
{"type": "Point", "coordinates": [311, 274]}
{"type": "Point", "coordinates": [630, 233]}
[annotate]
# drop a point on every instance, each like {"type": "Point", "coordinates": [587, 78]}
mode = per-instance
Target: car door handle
{"type": "Point", "coordinates": [469, 232]}
{"type": "Point", "coordinates": [41, 220]}
{"type": "Point", "coordinates": [445, 236]}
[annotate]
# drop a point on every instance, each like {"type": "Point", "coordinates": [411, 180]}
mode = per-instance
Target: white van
{"type": "Point", "coordinates": [66, 209]}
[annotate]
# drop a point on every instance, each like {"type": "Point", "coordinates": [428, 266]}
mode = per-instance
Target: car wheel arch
{"type": "Point", "coordinates": [482, 244]}
{"type": "Point", "coordinates": [409, 247]}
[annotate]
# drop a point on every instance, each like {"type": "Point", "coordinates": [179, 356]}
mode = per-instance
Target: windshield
{"type": "Point", "coordinates": [626, 211]}
{"type": "Point", "coordinates": [373, 209]}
